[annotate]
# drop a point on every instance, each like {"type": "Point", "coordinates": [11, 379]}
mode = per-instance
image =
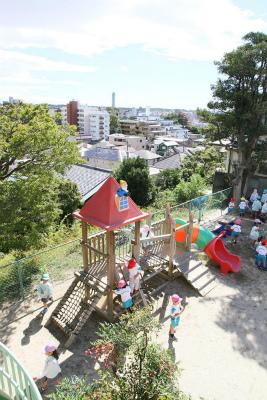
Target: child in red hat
{"type": "Point", "coordinates": [176, 311]}
{"type": "Point", "coordinates": [134, 275]}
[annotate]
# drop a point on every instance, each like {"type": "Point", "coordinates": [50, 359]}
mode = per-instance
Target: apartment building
{"type": "Point", "coordinates": [136, 142]}
{"type": "Point", "coordinates": [148, 129]}
{"type": "Point", "coordinates": [91, 122]}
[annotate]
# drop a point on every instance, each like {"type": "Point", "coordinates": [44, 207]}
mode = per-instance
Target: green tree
{"type": "Point", "coordinates": [69, 199]}
{"type": "Point", "coordinates": [185, 191]}
{"type": "Point", "coordinates": [136, 173]}
{"type": "Point", "coordinates": [33, 149]}
{"type": "Point", "coordinates": [29, 207]}
{"type": "Point", "coordinates": [168, 179]}
{"type": "Point", "coordinates": [204, 163]}
{"type": "Point", "coordinates": [114, 122]}
{"type": "Point", "coordinates": [32, 143]}
{"type": "Point", "coordinates": [238, 109]}
{"type": "Point", "coordinates": [179, 118]}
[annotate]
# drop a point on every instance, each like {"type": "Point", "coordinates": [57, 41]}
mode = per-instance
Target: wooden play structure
{"type": "Point", "coordinates": [106, 253]}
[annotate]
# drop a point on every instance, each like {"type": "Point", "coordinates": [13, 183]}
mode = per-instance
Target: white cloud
{"type": "Point", "coordinates": [124, 68]}
{"type": "Point", "coordinates": [177, 29]}
{"type": "Point", "coordinates": [36, 63]}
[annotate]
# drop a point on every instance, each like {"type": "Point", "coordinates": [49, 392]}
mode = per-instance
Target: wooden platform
{"type": "Point", "coordinates": [195, 272]}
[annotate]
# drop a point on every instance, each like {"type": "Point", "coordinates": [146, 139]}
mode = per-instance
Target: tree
{"type": "Point", "coordinates": [238, 111]}
{"type": "Point", "coordinates": [205, 163]}
{"type": "Point", "coordinates": [185, 191]}
{"type": "Point", "coordinates": [114, 122]}
{"type": "Point", "coordinates": [136, 173]}
{"type": "Point", "coordinates": [29, 207]}
{"type": "Point", "coordinates": [33, 149]}
{"type": "Point", "coordinates": [69, 199]}
{"type": "Point", "coordinates": [32, 143]}
{"type": "Point", "coordinates": [179, 118]}
{"type": "Point", "coordinates": [168, 179]}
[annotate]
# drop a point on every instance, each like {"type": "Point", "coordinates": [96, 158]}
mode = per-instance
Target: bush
{"type": "Point", "coordinates": [133, 367]}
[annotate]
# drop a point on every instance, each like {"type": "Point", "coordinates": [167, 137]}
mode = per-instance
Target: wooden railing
{"type": "Point", "coordinates": [15, 382]}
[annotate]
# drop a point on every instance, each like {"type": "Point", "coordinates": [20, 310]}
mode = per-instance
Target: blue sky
{"type": "Point", "coordinates": [150, 52]}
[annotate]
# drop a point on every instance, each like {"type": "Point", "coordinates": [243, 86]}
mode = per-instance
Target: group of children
{"type": "Point", "coordinates": [256, 203]}
{"type": "Point", "coordinates": [259, 211]}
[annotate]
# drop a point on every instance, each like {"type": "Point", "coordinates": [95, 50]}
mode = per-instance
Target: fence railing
{"type": "Point", "coordinates": [15, 382]}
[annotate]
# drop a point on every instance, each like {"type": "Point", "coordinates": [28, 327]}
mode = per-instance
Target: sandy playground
{"type": "Point", "coordinates": [222, 339]}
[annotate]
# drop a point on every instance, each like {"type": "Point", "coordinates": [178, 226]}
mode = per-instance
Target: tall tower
{"type": "Point", "coordinates": [113, 100]}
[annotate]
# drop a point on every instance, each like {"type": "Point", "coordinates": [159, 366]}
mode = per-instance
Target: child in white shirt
{"type": "Point", "coordinates": [236, 228]}
{"type": "Point", "coordinates": [261, 251]}
{"type": "Point", "coordinates": [44, 292]}
{"type": "Point", "coordinates": [51, 368]}
{"type": "Point", "coordinates": [242, 206]}
{"type": "Point", "coordinates": [124, 291]}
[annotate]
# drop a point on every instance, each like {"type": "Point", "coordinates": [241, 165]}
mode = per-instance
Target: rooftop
{"type": "Point", "coordinates": [88, 179]}
{"type": "Point", "coordinates": [171, 162]}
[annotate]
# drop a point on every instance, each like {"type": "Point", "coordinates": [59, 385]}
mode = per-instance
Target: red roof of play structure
{"type": "Point", "coordinates": [101, 210]}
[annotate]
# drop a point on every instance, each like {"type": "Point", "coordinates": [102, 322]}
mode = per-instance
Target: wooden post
{"type": "Point", "coordinates": [167, 225]}
{"type": "Point", "coordinates": [136, 249]}
{"type": "Point", "coordinates": [84, 247]}
{"type": "Point", "coordinates": [190, 231]}
{"type": "Point", "coordinates": [110, 272]}
{"type": "Point", "coordinates": [170, 223]}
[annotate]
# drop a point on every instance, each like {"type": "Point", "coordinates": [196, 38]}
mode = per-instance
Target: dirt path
{"type": "Point", "coordinates": [221, 346]}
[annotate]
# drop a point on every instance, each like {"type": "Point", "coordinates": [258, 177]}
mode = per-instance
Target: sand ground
{"type": "Point", "coordinates": [222, 338]}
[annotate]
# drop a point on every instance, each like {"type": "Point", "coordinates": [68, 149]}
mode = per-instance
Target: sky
{"type": "Point", "coordinates": [157, 53]}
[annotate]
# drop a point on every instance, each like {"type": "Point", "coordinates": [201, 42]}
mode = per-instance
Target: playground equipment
{"type": "Point", "coordinates": [212, 245]}
{"type": "Point", "coordinates": [111, 209]}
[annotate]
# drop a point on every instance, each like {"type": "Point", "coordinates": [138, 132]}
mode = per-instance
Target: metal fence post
{"type": "Point", "coordinates": [20, 277]}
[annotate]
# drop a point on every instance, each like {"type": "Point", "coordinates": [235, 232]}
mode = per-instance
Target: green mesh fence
{"type": "Point", "coordinates": [19, 278]}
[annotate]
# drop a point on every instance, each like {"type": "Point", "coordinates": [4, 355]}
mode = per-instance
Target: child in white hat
{"type": "Point", "coordinates": [44, 292]}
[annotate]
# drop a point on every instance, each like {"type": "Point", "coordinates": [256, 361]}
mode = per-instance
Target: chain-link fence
{"type": "Point", "coordinates": [204, 208]}
{"type": "Point", "coordinates": [18, 279]}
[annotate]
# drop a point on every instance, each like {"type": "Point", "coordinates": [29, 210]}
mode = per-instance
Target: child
{"type": "Point", "coordinates": [134, 275]}
{"type": "Point", "coordinates": [242, 206]}
{"type": "Point", "coordinates": [254, 195]}
{"type": "Point", "coordinates": [261, 255]}
{"type": "Point", "coordinates": [176, 311]}
{"type": "Point", "coordinates": [146, 232]}
{"type": "Point", "coordinates": [256, 207]}
{"type": "Point", "coordinates": [236, 228]}
{"type": "Point", "coordinates": [51, 368]}
{"type": "Point", "coordinates": [254, 234]}
{"type": "Point", "coordinates": [264, 196]}
{"type": "Point", "coordinates": [44, 292]}
{"type": "Point", "coordinates": [231, 206]}
{"type": "Point", "coordinates": [124, 291]}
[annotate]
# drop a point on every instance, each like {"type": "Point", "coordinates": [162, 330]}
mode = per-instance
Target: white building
{"type": "Point", "coordinates": [90, 121]}
{"type": "Point", "coordinates": [136, 142]}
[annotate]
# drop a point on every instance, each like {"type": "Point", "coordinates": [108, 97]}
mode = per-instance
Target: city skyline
{"type": "Point", "coordinates": [147, 52]}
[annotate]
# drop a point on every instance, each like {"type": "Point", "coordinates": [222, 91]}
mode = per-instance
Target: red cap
{"type": "Point", "coordinates": [131, 263]}
{"type": "Point", "coordinates": [264, 242]}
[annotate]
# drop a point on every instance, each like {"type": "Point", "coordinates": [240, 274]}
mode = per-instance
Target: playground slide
{"type": "Point", "coordinates": [212, 245]}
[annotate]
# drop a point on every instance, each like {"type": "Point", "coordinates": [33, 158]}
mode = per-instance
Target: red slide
{"type": "Point", "coordinates": [218, 252]}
